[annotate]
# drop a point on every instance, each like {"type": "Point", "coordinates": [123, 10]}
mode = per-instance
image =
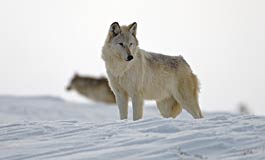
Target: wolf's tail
{"type": "Point", "coordinates": [196, 85]}
{"type": "Point", "coordinates": [196, 91]}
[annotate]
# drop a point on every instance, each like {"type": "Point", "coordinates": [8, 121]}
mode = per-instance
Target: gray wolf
{"type": "Point", "coordinates": [96, 89]}
{"type": "Point", "coordinates": [140, 75]}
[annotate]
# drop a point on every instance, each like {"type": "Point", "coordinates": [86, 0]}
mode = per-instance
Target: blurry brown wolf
{"type": "Point", "coordinates": [96, 89]}
{"type": "Point", "coordinates": [139, 74]}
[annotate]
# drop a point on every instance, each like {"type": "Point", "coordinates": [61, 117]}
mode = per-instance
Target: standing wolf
{"type": "Point", "coordinates": [141, 75]}
{"type": "Point", "coordinates": [96, 89]}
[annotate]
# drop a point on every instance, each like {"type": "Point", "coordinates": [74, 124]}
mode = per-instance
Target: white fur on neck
{"type": "Point", "coordinates": [114, 64]}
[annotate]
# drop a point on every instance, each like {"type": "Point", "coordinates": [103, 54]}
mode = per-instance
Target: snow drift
{"type": "Point", "coordinates": [49, 128]}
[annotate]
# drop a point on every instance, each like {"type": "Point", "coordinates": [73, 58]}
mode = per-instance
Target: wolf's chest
{"type": "Point", "coordinates": [149, 87]}
{"type": "Point", "coordinates": [131, 82]}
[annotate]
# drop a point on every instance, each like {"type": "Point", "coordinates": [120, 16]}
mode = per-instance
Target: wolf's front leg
{"type": "Point", "coordinates": [137, 102]}
{"type": "Point", "coordinates": [122, 101]}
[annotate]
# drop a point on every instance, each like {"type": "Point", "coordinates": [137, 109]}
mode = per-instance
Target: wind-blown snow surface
{"type": "Point", "coordinates": [38, 128]}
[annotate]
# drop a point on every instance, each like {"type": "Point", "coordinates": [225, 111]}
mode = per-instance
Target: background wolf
{"type": "Point", "coordinates": [141, 75]}
{"type": "Point", "coordinates": [96, 89]}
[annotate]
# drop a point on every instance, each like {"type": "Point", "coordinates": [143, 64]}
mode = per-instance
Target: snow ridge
{"type": "Point", "coordinates": [218, 136]}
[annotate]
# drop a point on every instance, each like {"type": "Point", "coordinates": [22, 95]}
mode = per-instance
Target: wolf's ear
{"type": "Point", "coordinates": [133, 28]}
{"type": "Point", "coordinates": [76, 74]}
{"type": "Point", "coordinates": [115, 29]}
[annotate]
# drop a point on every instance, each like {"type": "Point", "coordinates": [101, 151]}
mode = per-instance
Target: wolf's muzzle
{"type": "Point", "coordinates": [68, 88]}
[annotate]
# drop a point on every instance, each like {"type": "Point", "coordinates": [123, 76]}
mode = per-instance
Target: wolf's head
{"type": "Point", "coordinates": [122, 40]}
{"type": "Point", "coordinates": [73, 82]}
{"type": "Point", "coordinates": [85, 82]}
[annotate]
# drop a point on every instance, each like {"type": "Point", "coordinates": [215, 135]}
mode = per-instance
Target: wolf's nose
{"type": "Point", "coordinates": [68, 88]}
{"type": "Point", "coordinates": [129, 58]}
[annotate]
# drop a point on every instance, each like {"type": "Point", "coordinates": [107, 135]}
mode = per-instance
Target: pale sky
{"type": "Point", "coordinates": [43, 42]}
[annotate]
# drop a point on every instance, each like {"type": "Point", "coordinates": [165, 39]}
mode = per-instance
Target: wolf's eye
{"type": "Point", "coordinates": [131, 44]}
{"type": "Point", "coordinates": [121, 44]}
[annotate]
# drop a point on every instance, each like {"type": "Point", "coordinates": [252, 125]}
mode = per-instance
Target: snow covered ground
{"type": "Point", "coordinates": [50, 128]}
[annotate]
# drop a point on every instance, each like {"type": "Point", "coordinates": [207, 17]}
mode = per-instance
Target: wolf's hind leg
{"type": "Point", "coordinates": [176, 110]}
{"type": "Point", "coordinates": [169, 107]}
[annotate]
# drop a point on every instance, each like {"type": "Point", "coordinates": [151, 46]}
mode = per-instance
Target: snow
{"type": "Point", "coordinates": [50, 128]}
